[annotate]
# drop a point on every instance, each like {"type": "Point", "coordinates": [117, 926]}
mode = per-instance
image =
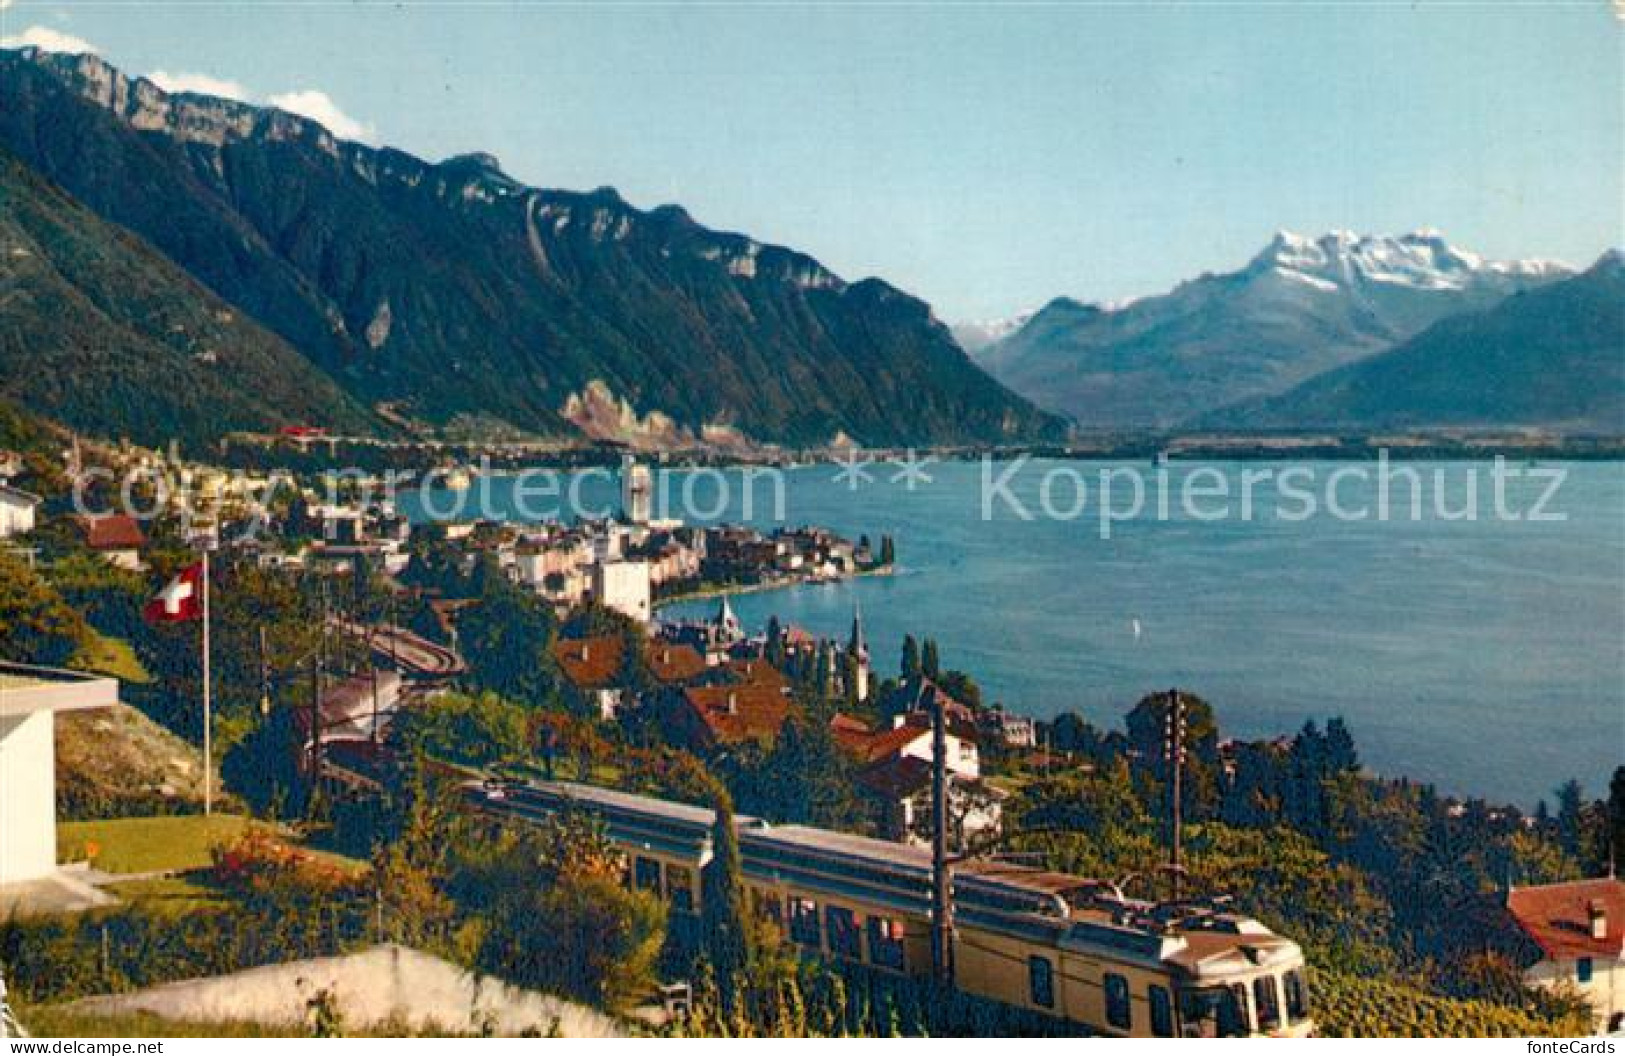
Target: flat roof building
{"type": "Point", "coordinates": [30, 697]}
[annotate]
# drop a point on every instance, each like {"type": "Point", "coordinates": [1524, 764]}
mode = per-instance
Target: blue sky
{"type": "Point", "coordinates": [984, 158]}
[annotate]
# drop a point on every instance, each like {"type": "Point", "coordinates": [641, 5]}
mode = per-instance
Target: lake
{"type": "Point", "coordinates": [1485, 655]}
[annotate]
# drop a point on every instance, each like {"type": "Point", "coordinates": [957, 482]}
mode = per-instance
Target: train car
{"type": "Point", "coordinates": [1053, 944]}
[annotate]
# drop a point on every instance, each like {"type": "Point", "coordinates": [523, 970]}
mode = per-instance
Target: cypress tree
{"type": "Point", "coordinates": [723, 912]}
{"type": "Point", "coordinates": [930, 661]}
{"type": "Point", "coordinates": [911, 658]}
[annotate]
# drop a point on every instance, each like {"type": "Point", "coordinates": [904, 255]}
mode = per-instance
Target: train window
{"type": "Point", "coordinates": [885, 943]}
{"type": "Point", "coordinates": [1246, 1014]}
{"type": "Point", "coordinates": [1119, 1012]}
{"type": "Point", "coordinates": [1211, 1013]}
{"type": "Point", "coordinates": [1265, 1002]}
{"type": "Point", "coordinates": [1162, 1012]}
{"type": "Point", "coordinates": [804, 922]}
{"type": "Point", "coordinates": [1297, 996]}
{"type": "Point", "coordinates": [680, 887]}
{"type": "Point", "coordinates": [646, 874]}
{"type": "Point", "coordinates": [1041, 981]}
{"type": "Point", "coordinates": [845, 939]}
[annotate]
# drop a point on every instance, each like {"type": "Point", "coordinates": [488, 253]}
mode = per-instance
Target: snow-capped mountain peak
{"type": "Point", "coordinates": [977, 334]}
{"type": "Point", "coordinates": [1422, 259]}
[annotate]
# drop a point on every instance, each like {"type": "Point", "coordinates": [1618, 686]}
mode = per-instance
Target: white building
{"type": "Point", "coordinates": [1576, 940]}
{"type": "Point", "coordinates": [624, 587]}
{"type": "Point", "coordinates": [29, 700]}
{"type": "Point", "coordinates": [17, 510]}
{"type": "Point", "coordinates": [637, 491]}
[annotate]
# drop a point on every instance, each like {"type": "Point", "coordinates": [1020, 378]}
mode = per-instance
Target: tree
{"type": "Point", "coordinates": [774, 649]}
{"type": "Point", "coordinates": [911, 658]}
{"type": "Point", "coordinates": [36, 625]}
{"type": "Point", "coordinates": [1571, 817]}
{"type": "Point", "coordinates": [723, 910]}
{"type": "Point", "coordinates": [1340, 754]}
{"type": "Point", "coordinates": [1147, 725]}
{"type": "Point", "coordinates": [462, 728]}
{"type": "Point", "coordinates": [559, 918]}
{"type": "Point", "coordinates": [806, 778]}
{"type": "Point", "coordinates": [409, 872]}
{"type": "Point", "coordinates": [507, 638]}
{"type": "Point", "coordinates": [1616, 819]}
{"type": "Point", "coordinates": [968, 801]}
{"type": "Point", "coordinates": [930, 660]}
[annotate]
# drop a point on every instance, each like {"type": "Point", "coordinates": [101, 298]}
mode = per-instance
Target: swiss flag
{"type": "Point", "coordinates": [180, 601]}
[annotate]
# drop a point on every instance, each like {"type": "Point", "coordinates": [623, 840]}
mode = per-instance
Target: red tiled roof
{"type": "Point", "coordinates": [758, 673]}
{"type": "Point", "coordinates": [115, 532]}
{"type": "Point", "coordinates": [1558, 917]}
{"type": "Point", "coordinates": [844, 724]}
{"type": "Point", "coordinates": [675, 663]}
{"type": "Point", "coordinates": [590, 663]}
{"type": "Point", "coordinates": [874, 746]}
{"type": "Point", "coordinates": [741, 712]}
{"type": "Point", "coordinates": [897, 779]}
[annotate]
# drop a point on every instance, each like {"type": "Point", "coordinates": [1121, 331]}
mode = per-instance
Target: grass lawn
{"type": "Point", "coordinates": [169, 896]}
{"type": "Point", "coordinates": [141, 845]}
{"type": "Point", "coordinates": [106, 655]}
{"type": "Point", "coordinates": [58, 1021]}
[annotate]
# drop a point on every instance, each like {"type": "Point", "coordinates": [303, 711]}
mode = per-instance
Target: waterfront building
{"type": "Point", "coordinates": [624, 587]}
{"type": "Point", "coordinates": [637, 491]}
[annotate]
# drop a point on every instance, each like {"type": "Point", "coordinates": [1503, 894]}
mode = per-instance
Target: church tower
{"type": "Point", "coordinates": [857, 651]}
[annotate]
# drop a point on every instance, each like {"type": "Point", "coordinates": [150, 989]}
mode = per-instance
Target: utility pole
{"type": "Point", "coordinates": [1174, 751]}
{"type": "Point", "coordinates": [265, 676]}
{"type": "Point", "coordinates": [942, 899]}
{"type": "Point", "coordinates": [208, 697]}
{"type": "Point", "coordinates": [317, 670]}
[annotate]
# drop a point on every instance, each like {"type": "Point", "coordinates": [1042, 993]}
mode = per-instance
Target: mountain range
{"type": "Point", "coordinates": [1299, 308]}
{"type": "Point", "coordinates": [447, 297]}
{"type": "Point", "coordinates": [1552, 358]}
{"type": "Point", "coordinates": [102, 333]}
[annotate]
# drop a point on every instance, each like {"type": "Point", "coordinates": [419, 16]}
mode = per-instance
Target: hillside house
{"type": "Point", "coordinates": [1575, 936]}
{"type": "Point", "coordinates": [18, 510]}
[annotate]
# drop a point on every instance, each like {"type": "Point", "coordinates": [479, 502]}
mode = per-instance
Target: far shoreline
{"type": "Point", "coordinates": [703, 593]}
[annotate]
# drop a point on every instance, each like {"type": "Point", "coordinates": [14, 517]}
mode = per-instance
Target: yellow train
{"type": "Point", "coordinates": [1057, 945]}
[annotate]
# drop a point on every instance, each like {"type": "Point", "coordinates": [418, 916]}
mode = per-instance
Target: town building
{"type": "Point", "coordinates": [118, 538]}
{"type": "Point", "coordinates": [910, 737]}
{"type": "Point", "coordinates": [1009, 729]}
{"type": "Point", "coordinates": [593, 671]}
{"type": "Point", "coordinates": [637, 491]}
{"type": "Point", "coordinates": [1575, 936]}
{"type": "Point", "coordinates": [30, 697]}
{"type": "Point", "coordinates": [901, 787]}
{"type": "Point", "coordinates": [751, 701]}
{"type": "Point", "coordinates": [18, 509]}
{"type": "Point", "coordinates": [624, 587]}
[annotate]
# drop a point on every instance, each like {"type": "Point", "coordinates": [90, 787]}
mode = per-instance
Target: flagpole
{"type": "Point", "coordinates": [208, 748]}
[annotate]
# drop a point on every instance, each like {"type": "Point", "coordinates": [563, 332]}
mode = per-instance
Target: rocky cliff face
{"type": "Point", "coordinates": [454, 293]}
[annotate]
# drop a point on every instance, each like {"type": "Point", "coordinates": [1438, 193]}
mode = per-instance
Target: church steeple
{"type": "Point", "coordinates": [857, 649]}
{"type": "Point", "coordinates": [726, 624]}
{"type": "Point", "coordinates": [856, 645]}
